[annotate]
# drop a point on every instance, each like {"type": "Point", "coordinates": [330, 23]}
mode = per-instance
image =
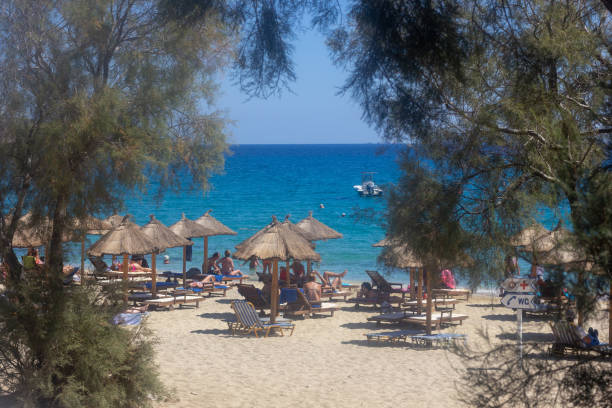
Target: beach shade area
{"type": "Point", "coordinates": [163, 238]}
{"type": "Point", "coordinates": [398, 255]}
{"type": "Point", "coordinates": [317, 231]}
{"type": "Point", "coordinates": [188, 229]}
{"type": "Point", "coordinates": [276, 242]}
{"type": "Point", "coordinates": [126, 239]}
{"type": "Point", "coordinates": [88, 225]}
{"type": "Point", "coordinates": [215, 227]}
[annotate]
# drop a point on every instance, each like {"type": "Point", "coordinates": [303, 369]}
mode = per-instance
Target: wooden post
{"type": "Point", "coordinates": [154, 276]}
{"type": "Point", "coordinates": [125, 278]}
{"type": "Point", "coordinates": [205, 263]}
{"type": "Point", "coordinates": [610, 315]}
{"type": "Point", "coordinates": [184, 267]}
{"type": "Point", "coordinates": [420, 291]}
{"type": "Point", "coordinates": [429, 301]}
{"type": "Point", "coordinates": [82, 270]}
{"type": "Point", "coordinates": [274, 292]}
{"type": "Point", "coordinates": [579, 299]}
{"type": "Point", "coordinates": [308, 267]}
{"type": "Point", "coordinates": [288, 281]}
{"type": "Point", "coordinates": [411, 283]}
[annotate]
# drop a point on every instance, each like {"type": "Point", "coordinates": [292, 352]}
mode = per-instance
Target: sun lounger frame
{"type": "Point", "coordinates": [247, 321]}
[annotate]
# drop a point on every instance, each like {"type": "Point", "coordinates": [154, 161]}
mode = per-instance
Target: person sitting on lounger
{"type": "Point", "coordinates": [298, 273]}
{"type": "Point", "coordinates": [227, 265]}
{"type": "Point", "coordinates": [136, 266]}
{"type": "Point", "coordinates": [312, 289]}
{"type": "Point", "coordinates": [213, 268]}
{"type": "Point", "coordinates": [366, 291]}
{"type": "Point", "coordinates": [589, 338]}
{"type": "Point", "coordinates": [335, 284]}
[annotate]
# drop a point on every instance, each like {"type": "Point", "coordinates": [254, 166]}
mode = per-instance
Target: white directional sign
{"type": "Point", "coordinates": [519, 285]}
{"type": "Point", "coordinates": [519, 301]}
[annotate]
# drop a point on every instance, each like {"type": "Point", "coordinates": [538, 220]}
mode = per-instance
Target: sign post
{"type": "Point", "coordinates": [519, 295]}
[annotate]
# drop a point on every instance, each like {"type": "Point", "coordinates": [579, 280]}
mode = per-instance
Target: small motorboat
{"type": "Point", "coordinates": [368, 188]}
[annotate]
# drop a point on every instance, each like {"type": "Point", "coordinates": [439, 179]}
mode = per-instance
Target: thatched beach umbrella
{"type": "Point", "coordinates": [317, 231]}
{"type": "Point", "coordinates": [188, 229]}
{"type": "Point", "coordinates": [89, 225]}
{"type": "Point", "coordinates": [216, 228]}
{"type": "Point", "coordinates": [163, 238]}
{"type": "Point", "coordinates": [399, 255]}
{"type": "Point", "coordinates": [115, 220]}
{"type": "Point", "coordinates": [276, 242]}
{"type": "Point", "coordinates": [28, 235]}
{"type": "Point", "coordinates": [126, 239]}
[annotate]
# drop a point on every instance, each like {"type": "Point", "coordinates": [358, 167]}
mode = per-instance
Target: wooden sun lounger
{"type": "Point", "coordinates": [438, 302]}
{"type": "Point", "coordinates": [247, 321]}
{"type": "Point", "coordinates": [305, 308]}
{"type": "Point", "coordinates": [393, 300]}
{"type": "Point", "coordinates": [177, 298]}
{"type": "Point", "coordinates": [392, 337]}
{"type": "Point", "coordinates": [331, 295]}
{"type": "Point", "coordinates": [566, 339]}
{"type": "Point", "coordinates": [451, 293]}
{"type": "Point", "coordinates": [131, 275]}
{"type": "Point", "coordinates": [437, 319]}
{"type": "Point", "coordinates": [442, 339]}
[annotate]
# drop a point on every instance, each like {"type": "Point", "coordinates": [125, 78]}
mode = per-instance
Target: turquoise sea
{"type": "Point", "coordinates": [264, 180]}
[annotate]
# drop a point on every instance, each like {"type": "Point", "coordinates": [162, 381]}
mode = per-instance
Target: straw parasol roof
{"type": "Point", "coordinates": [163, 236]}
{"type": "Point", "coordinates": [92, 225]}
{"type": "Point", "coordinates": [214, 225]}
{"type": "Point", "coordinates": [126, 239]}
{"type": "Point", "coordinates": [28, 234]}
{"type": "Point", "coordinates": [187, 228]}
{"type": "Point", "coordinates": [534, 237]}
{"type": "Point", "coordinates": [397, 255]}
{"type": "Point", "coordinates": [307, 235]}
{"type": "Point", "coordinates": [115, 220]}
{"type": "Point", "coordinates": [276, 241]}
{"type": "Point", "coordinates": [317, 229]}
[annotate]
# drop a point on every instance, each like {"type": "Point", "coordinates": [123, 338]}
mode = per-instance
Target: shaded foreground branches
{"type": "Point", "coordinates": [77, 359]}
{"type": "Point", "coordinates": [499, 378]}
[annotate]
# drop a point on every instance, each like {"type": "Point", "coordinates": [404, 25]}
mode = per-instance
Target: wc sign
{"type": "Point", "coordinates": [519, 301]}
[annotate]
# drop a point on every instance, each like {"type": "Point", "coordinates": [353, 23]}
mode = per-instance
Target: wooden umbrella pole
{"type": "Point", "coordinates": [154, 276]}
{"type": "Point", "coordinates": [420, 291]}
{"type": "Point", "coordinates": [288, 281]}
{"type": "Point", "coordinates": [411, 283]}
{"type": "Point", "coordinates": [610, 315]}
{"type": "Point", "coordinates": [82, 270]}
{"type": "Point", "coordinates": [308, 267]}
{"type": "Point", "coordinates": [205, 263]}
{"type": "Point", "coordinates": [125, 278]}
{"type": "Point", "coordinates": [429, 301]}
{"type": "Point", "coordinates": [184, 267]}
{"type": "Point", "coordinates": [274, 292]}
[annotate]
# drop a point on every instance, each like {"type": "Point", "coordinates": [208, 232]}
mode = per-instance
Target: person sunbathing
{"type": "Point", "coordinates": [312, 289]}
{"type": "Point", "coordinates": [589, 338]}
{"type": "Point", "coordinates": [206, 281]}
{"type": "Point", "coordinates": [335, 284]}
{"type": "Point", "coordinates": [135, 266]}
{"type": "Point", "coordinates": [227, 265]}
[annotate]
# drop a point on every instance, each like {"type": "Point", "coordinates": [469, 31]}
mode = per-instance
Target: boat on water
{"type": "Point", "coordinates": [368, 188]}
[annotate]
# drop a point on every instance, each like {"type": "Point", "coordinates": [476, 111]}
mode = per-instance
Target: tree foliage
{"type": "Point", "coordinates": [96, 97]}
{"type": "Point", "coordinates": [506, 107]}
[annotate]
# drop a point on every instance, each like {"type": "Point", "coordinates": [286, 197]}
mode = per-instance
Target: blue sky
{"type": "Point", "coordinates": [313, 113]}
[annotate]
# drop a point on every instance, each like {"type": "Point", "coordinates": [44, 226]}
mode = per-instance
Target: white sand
{"type": "Point", "coordinates": [326, 363]}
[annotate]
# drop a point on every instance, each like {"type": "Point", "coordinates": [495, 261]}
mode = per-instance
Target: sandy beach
{"type": "Point", "coordinates": [326, 363]}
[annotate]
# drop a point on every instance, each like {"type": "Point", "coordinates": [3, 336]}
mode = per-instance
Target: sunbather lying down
{"type": "Point", "coordinates": [210, 279]}
{"type": "Point", "coordinates": [335, 284]}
